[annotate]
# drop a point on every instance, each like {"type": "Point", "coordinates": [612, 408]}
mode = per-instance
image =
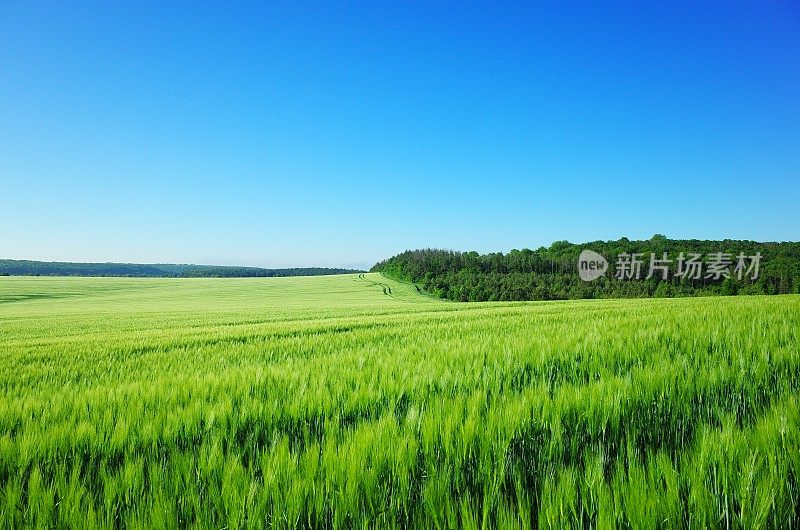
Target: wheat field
{"type": "Point", "coordinates": [355, 401]}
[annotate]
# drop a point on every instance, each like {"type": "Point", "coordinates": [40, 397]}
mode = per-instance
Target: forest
{"type": "Point", "coordinates": [550, 273]}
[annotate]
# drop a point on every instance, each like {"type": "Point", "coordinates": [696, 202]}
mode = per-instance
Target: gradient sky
{"type": "Point", "coordinates": [340, 134]}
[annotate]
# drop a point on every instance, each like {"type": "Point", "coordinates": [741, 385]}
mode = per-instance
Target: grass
{"type": "Point", "coordinates": [334, 402]}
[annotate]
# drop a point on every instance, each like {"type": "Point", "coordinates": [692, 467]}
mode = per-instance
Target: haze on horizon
{"type": "Point", "coordinates": [338, 135]}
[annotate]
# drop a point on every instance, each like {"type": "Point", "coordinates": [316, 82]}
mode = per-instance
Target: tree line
{"type": "Point", "coordinates": [551, 273]}
{"type": "Point", "coordinates": [163, 270]}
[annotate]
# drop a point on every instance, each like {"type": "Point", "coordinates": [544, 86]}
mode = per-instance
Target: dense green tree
{"type": "Point", "coordinates": [550, 273]}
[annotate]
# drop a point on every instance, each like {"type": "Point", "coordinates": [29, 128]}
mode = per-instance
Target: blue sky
{"type": "Point", "coordinates": [340, 134]}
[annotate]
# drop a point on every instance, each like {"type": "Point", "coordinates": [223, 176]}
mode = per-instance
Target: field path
{"type": "Point", "coordinates": [403, 292]}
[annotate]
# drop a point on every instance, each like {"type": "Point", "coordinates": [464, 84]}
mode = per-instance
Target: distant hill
{"type": "Point", "coordinates": [9, 267]}
{"type": "Point", "coordinates": [551, 273]}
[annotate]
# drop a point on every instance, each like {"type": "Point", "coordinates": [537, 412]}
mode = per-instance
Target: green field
{"type": "Point", "coordinates": [348, 401]}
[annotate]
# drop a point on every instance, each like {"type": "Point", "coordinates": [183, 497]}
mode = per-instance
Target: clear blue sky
{"type": "Point", "coordinates": [341, 134]}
